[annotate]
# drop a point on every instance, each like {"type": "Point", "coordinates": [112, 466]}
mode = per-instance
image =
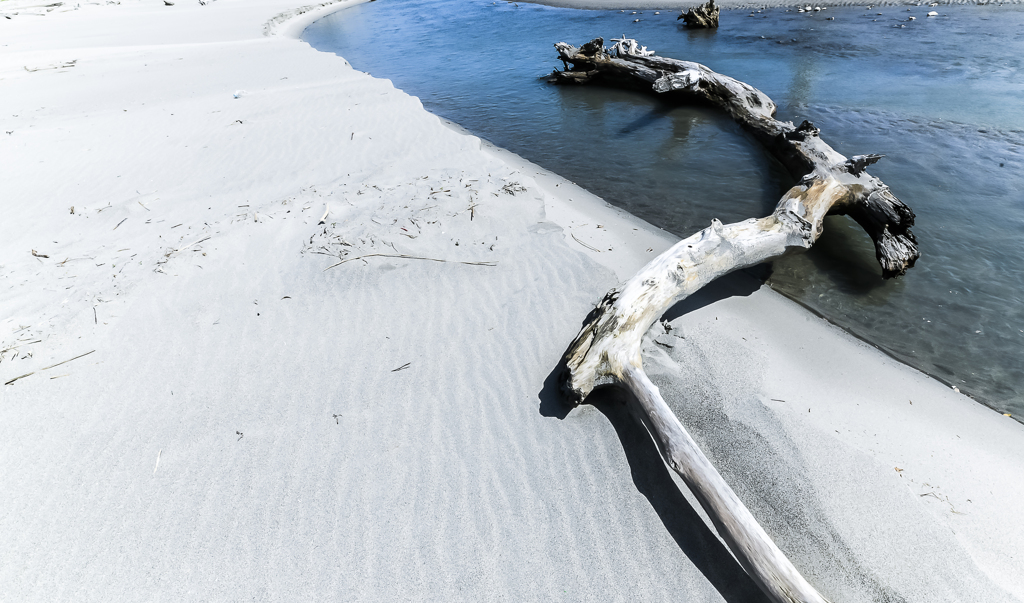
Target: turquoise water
{"type": "Point", "coordinates": [941, 97]}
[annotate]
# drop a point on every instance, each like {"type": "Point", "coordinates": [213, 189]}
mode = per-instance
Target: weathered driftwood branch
{"type": "Point", "coordinates": [705, 15]}
{"type": "Point", "coordinates": [854, 192]}
{"type": "Point", "coordinates": [607, 348]}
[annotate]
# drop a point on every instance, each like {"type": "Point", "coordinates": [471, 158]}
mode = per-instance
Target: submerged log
{"type": "Point", "coordinates": [607, 348]}
{"type": "Point", "coordinates": [705, 16]}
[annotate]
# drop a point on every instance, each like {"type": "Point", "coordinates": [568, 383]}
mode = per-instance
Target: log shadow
{"type": "Point", "coordinates": [653, 479]}
{"type": "Point", "coordinates": [654, 115]}
{"type": "Point", "coordinates": [552, 400]}
{"type": "Point", "coordinates": [741, 283]}
{"type": "Point", "coordinates": [847, 257]}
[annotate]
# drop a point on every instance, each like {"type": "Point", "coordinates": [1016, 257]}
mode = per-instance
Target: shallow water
{"type": "Point", "coordinates": [941, 97]}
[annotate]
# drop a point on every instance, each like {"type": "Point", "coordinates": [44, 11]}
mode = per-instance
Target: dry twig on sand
{"type": "Point", "coordinates": [408, 257]}
{"type": "Point", "coordinates": [46, 368]}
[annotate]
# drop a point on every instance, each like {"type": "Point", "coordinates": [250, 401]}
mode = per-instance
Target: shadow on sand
{"type": "Point", "coordinates": [651, 476]}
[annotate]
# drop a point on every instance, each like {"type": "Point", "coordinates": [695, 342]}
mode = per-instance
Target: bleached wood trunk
{"type": "Point", "coordinates": [607, 348]}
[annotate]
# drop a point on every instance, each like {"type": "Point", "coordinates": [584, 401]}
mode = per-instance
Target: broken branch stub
{"type": "Point", "coordinates": [703, 16]}
{"type": "Point", "coordinates": [607, 348]}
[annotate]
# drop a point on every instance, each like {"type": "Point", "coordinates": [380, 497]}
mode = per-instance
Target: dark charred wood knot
{"type": "Point", "coordinates": [896, 253]}
{"type": "Point", "coordinates": [610, 297]}
{"type": "Point", "coordinates": [569, 393]}
{"type": "Point", "coordinates": [802, 132]}
{"type": "Point", "coordinates": [890, 210]}
{"type": "Point", "coordinates": [858, 163]}
{"type": "Point", "coordinates": [592, 48]}
{"type": "Point", "coordinates": [888, 221]}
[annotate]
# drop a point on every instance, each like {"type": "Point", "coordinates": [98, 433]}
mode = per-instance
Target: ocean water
{"type": "Point", "coordinates": [942, 97]}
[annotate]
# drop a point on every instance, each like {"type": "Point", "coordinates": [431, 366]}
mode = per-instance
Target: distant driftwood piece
{"type": "Point", "coordinates": [607, 348]}
{"type": "Point", "coordinates": [705, 15]}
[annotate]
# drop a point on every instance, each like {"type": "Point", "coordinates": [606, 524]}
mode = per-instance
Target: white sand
{"type": "Point", "coordinates": [240, 432]}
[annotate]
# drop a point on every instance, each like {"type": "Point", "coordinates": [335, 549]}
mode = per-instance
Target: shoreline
{"type": "Point", "coordinates": [660, 240]}
{"type": "Point", "coordinates": [737, 5]}
{"type": "Point", "coordinates": [252, 421]}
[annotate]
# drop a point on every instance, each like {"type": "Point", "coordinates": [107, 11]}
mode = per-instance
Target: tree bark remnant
{"type": "Point", "coordinates": [703, 16]}
{"type": "Point", "coordinates": [607, 348]}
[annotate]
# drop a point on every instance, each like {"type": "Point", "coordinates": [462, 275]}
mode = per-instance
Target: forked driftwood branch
{"type": "Point", "coordinates": [607, 348]}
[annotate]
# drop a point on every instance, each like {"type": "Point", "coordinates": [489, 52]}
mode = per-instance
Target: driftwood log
{"type": "Point", "coordinates": [703, 16]}
{"type": "Point", "coordinates": [607, 349]}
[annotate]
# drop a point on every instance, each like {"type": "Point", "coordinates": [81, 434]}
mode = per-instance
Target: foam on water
{"type": "Point", "coordinates": [940, 97]}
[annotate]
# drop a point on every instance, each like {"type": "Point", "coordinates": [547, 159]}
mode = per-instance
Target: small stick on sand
{"type": "Point", "coordinates": [584, 244]}
{"type": "Point", "coordinates": [14, 347]}
{"type": "Point", "coordinates": [190, 244]}
{"type": "Point", "coordinates": [21, 377]}
{"type": "Point", "coordinates": [408, 257]}
{"type": "Point", "coordinates": [46, 368]}
{"type": "Point", "coordinates": [157, 461]}
{"type": "Point", "coordinates": [66, 361]}
{"type": "Point", "coordinates": [62, 65]}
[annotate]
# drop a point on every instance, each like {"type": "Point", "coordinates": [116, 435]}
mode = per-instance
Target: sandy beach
{"type": "Point", "coordinates": [271, 331]}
